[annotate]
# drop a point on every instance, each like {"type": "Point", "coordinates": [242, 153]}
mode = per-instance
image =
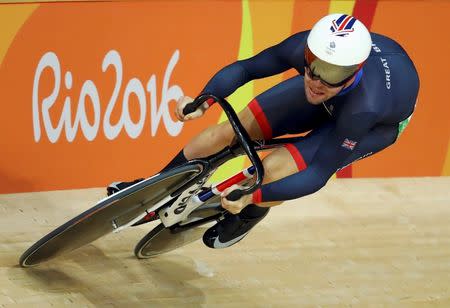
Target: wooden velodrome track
{"type": "Point", "coordinates": [358, 242]}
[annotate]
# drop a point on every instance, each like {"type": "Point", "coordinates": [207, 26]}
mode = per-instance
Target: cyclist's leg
{"type": "Point", "coordinates": [280, 110]}
{"type": "Point", "coordinates": [215, 138]}
{"type": "Point", "coordinates": [279, 164]}
{"type": "Point", "coordinates": [234, 228]}
{"type": "Point", "coordinates": [296, 157]}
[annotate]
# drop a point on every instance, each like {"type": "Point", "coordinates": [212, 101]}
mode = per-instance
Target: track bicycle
{"type": "Point", "coordinates": [178, 198]}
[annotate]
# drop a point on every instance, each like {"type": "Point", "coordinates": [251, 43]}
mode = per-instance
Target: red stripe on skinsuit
{"type": "Point", "coordinates": [257, 196]}
{"type": "Point", "coordinates": [261, 118]}
{"type": "Point", "coordinates": [297, 156]}
{"type": "Point", "coordinates": [299, 161]}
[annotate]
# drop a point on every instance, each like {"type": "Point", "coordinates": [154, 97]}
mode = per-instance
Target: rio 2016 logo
{"type": "Point", "coordinates": [89, 92]}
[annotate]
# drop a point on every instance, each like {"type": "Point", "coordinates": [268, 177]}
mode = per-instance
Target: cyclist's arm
{"type": "Point", "coordinates": [330, 156]}
{"type": "Point", "coordinates": [270, 61]}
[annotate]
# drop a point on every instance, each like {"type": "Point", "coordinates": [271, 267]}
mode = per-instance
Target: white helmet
{"type": "Point", "coordinates": [342, 42]}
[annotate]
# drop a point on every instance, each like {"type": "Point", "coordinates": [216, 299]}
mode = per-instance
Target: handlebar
{"type": "Point", "coordinates": [242, 137]}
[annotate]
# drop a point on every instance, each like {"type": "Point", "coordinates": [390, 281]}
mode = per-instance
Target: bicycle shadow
{"type": "Point", "coordinates": [101, 279]}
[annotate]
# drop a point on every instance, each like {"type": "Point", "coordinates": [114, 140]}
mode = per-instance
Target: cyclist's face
{"type": "Point", "coordinates": [316, 92]}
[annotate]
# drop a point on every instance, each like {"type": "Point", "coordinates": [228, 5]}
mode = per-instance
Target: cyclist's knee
{"type": "Point", "coordinates": [278, 164]}
{"type": "Point", "coordinates": [217, 137]}
{"type": "Point", "coordinates": [211, 140]}
{"type": "Point", "coordinates": [222, 134]}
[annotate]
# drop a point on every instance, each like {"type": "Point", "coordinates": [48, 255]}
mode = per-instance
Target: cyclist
{"type": "Point", "coordinates": [354, 95]}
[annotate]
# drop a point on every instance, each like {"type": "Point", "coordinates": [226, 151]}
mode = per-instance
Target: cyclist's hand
{"type": "Point", "coordinates": [182, 102]}
{"type": "Point", "coordinates": [234, 207]}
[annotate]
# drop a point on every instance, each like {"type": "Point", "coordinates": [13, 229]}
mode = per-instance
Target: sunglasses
{"type": "Point", "coordinates": [313, 76]}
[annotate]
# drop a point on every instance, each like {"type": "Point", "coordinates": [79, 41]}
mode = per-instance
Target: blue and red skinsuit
{"type": "Point", "coordinates": [361, 120]}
